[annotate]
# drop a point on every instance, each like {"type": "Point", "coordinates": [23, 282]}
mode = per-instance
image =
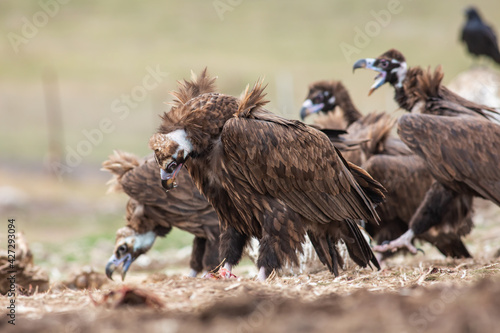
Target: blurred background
{"type": "Point", "coordinates": [82, 78]}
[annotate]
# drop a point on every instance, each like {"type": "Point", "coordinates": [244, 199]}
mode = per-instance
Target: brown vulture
{"type": "Point", "coordinates": [393, 164]}
{"type": "Point", "coordinates": [479, 37]}
{"type": "Point", "coordinates": [152, 212]}
{"type": "Point", "coordinates": [267, 177]}
{"type": "Point", "coordinates": [457, 139]}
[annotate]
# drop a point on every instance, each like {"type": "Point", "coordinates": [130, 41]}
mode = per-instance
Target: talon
{"type": "Point", "coordinates": [420, 250]}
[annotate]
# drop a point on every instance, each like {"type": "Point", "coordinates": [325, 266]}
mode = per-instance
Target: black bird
{"type": "Point", "coordinates": [479, 37]}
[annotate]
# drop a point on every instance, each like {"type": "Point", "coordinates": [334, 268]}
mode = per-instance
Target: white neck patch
{"type": "Point", "coordinates": [144, 241]}
{"type": "Point", "coordinates": [401, 73]}
{"type": "Point", "coordinates": [180, 136]}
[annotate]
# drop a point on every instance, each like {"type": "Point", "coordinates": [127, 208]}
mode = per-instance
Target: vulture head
{"type": "Point", "coordinates": [391, 67]}
{"type": "Point", "coordinates": [171, 150]}
{"type": "Point", "coordinates": [134, 239]}
{"type": "Point", "coordinates": [472, 14]}
{"type": "Point", "coordinates": [128, 246]}
{"type": "Point", "coordinates": [321, 97]}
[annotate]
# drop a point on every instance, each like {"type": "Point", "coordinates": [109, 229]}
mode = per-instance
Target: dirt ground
{"type": "Point", "coordinates": [428, 296]}
{"type": "Point", "coordinates": [422, 293]}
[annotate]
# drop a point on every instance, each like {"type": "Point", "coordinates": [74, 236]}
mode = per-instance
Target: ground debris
{"type": "Point", "coordinates": [28, 277]}
{"type": "Point", "coordinates": [86, 278]}
{"type": "Point", "coordinates": [129, 296]}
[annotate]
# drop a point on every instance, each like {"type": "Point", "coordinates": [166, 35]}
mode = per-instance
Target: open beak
{"type": "Point", "coordinates": [168, 179]}
{"type": "Point", "coordinates": [114, 262]}
{"type": "Point", "coordinates": [309, 108]}
{"type": "Point", "coordinates": [368, 63]}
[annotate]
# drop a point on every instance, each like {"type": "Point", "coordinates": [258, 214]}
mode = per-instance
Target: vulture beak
{"type": "Point", "coordinates": [369, 64]}
{"type": "Point", "coordinates": [168, 177]}
{"type": "Point", "coordinates": [114, 262]}
{"type": "Point", "coordinates": [309, 108]}
{"type": "Point", "coordinates": [129, 245]}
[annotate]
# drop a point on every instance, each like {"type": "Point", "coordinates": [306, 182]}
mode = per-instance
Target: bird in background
{"type": "Point", "coordinates": [459, 141]}
{"type": "Point", "coordinates": [152, 213]}
{"type": "Point", "coordinates": [387, 159]}
{"type": "Point", "coordinates": [479, 37]}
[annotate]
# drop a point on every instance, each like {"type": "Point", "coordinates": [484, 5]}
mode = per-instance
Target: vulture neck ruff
{"type": "Point", "coordinates": [180, 136]}
{"type": "Point", "coordinates": [144, 241]}
{"type": "Point", "coordinates": [401, 74]}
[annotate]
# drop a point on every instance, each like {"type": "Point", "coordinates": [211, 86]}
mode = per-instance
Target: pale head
{"type": "Point", "coordinates": [171, 151]}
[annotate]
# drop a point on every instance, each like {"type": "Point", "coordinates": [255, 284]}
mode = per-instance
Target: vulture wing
{"type": "Point", "coordinates": [297, 165]}
{"type": "Point", "coordinates": [143, 184]}
{"type": "Point", "coordinates": [461, 152]}
{"type": "Point", "coordinates": [406, 179]}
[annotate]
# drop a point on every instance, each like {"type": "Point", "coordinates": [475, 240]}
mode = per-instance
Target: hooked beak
{"type": "Point", "coordinates": [309, 108]}
{"type": "Point", "coordinates": [368, 63]}
{"type": "Point", "coordinates": [114, 262]}
{"type": "Point", "coordinates": [168, 179]}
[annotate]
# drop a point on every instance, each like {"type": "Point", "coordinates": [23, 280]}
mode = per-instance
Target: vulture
{"type": "Point", "coordinates": [394, 165]}
{"type": "Point", "coordinates": [458, 140]}
{"type": "Point", "coordinates": [266, 177]}
{"type": "Point", "coordinates": [479, 37]}
{"type": "Point", "coordinates": [152, 212]}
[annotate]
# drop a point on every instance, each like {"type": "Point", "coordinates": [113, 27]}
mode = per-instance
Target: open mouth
{"type": "Point", "coordinates": [168, 178]}
{"type": "Point", "coordinates": [379, 80]}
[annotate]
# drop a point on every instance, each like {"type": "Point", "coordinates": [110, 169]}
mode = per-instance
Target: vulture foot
{"type": "Point", "coordinates": [404, 241]}
{"type": "Point", "coordinates": [193, 273]}
{"type": "Point", "coordinates": [262, 274]}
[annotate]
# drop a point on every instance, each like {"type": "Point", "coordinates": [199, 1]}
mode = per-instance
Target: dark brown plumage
{"type": "Point", "coordinates": [455, 137]}
{"type": "Point", "coordinates": [267, 177]}
{"type": "Point", "coordinates": [394, 165]}
{"type": "Point", "coordinates": [152, 212]}
{"type": "Point", "coordinates": [479, 37]}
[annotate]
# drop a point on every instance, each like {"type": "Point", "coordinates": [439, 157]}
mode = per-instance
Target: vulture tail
{"type": "Point", "coordinates": [325, 248]}
{"type": "Point", "coordinates": [119, 164]}
{"type": "Point", "coordinates": [358, 248]}
{"type": "Point", "coordinates": [372, 188]}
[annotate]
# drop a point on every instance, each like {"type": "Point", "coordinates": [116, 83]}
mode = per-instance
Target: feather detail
{"type": "Point", "coordinates": [252, 99]}
{"type": "Point", "coordinates": [119, 164]}
{"type": "Point", "coordinates": [198, 85]}
{"type": "Point", "coordinates": [429, 83]}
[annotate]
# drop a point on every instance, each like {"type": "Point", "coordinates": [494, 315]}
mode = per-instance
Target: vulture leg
{"type": "Point", "coordinates": [211, 256]}
{"type": "Point", "coordinates": [231, 249]}
{"type": "Point", "coordinates": [262, 274]}
{"type": "Point", "coordinates": [432, 210]}
{"type": "Point", "coordinates": [196, 262]}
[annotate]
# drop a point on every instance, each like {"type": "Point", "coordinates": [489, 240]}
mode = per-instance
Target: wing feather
{"type": "Point", "coordinates": [461, 152]}
{"type": "Point", "coordinates": [296, 164]}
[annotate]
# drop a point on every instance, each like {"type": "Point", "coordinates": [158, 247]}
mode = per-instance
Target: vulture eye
{"type": "Point", "coordinates": [384, 63]}
{"type": "Point", "coordinates": [171, 167]}
{"type": "Point", "coordinates": [317, 99]}
{"type": "Point", "coordinates": [122, 249]}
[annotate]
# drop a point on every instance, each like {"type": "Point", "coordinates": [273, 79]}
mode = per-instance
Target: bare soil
{"type": "Point", "coordinates": [423, 296]}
